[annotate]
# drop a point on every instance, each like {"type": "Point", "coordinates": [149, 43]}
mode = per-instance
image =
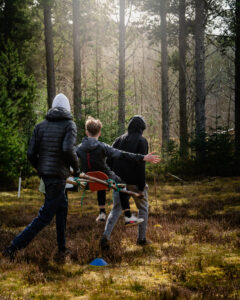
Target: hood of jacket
{"type": "Point", "coordinates": [136, 124]}
{"type": "Point", "coordinates": [57, 114]}
{"type": "Point", "coordinates": [89, 144]}
{"type": "Point", "coordinates": [61, 100]}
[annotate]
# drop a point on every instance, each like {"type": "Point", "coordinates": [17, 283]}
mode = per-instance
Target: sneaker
{"type": "Point", "coordinates": [102, 217]}
{"type": "Point", "coordinates": [143, 242]}
{"type": "Point", "coordinates": [133, 220]}
{"type": "Point", "coordinates": [10, 252]}
{"type": "Point", "coordinates": [104, 244]}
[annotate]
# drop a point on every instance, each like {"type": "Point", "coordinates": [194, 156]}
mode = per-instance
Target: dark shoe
{"type": "Point", "coordinates": [10, 252]}
{"type": "Point", "coordinates": [104, 244]}
{"type": "Point", "coordinates": [62, 254]}
{"type": "Point", "coordinates": [143, 242]}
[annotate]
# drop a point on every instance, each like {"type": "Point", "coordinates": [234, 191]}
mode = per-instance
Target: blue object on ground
{"type": "Point", "coordinates": [98, 262]}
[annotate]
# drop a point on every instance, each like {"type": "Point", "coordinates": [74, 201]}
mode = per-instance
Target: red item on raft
{"type": "Point", "coordinates": [95, 186]}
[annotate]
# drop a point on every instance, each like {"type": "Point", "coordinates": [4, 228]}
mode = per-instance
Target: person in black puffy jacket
{"type": "Point", "coordinates": [52, 152]}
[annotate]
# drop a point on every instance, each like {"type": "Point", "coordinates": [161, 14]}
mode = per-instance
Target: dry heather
{"type": "Point", "coordinates": [195, 252]}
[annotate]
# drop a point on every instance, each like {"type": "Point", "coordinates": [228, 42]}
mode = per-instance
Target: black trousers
{"type": "Point", "coordinates": [124, 199]}
{"type": "Point", "coordinates": [56, 203]}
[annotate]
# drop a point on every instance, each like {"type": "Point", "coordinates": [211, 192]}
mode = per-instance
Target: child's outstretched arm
{"type": "Point", "coordinates": [154, 159]}
{"type": "Point", "coordinates": [114, 153]}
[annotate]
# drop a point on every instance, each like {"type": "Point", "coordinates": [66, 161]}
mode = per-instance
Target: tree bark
{"type": "Point", "coordinates": [8, 12]}
{"type": "Point", "coordinates": [97, 58]}
{"type": "Point", "coordinates": [121, 82]}
{"type": "Point", "coordinates": [237, 78]}
{"type": "Point", "coordinates": [182, 79]}
{"type": "Point", "coordinates": [200, 71]}
{"type": "Point", "coordinates": [51, 88]}
{"type": "Point", "coordinates": [77, 90]}
{"type": "Point", "coordinates": [164, 75]}
{"type": "Point", "coordinates": [134, 81]}
{"type": "Point", "coordinates": [143, 78]}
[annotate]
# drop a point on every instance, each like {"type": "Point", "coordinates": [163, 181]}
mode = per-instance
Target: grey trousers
{"type": "Point", "coordinates": [142, 205]}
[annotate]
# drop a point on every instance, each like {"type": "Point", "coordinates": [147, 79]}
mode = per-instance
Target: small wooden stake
{"type": "Point", "coordinates": [155, 188]}
{"type": "Point", "coordinates": [19, 185]}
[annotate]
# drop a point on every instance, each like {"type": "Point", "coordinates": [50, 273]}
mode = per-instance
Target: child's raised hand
{"type": "Point", "coordinates": [150, 157]}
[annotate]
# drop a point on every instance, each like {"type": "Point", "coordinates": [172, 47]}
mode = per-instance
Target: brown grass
{"type": "Point", "coordinates": [195, 252]}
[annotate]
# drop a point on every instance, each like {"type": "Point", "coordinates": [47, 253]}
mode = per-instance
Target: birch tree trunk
{"type": "Point", "coordinates": [121, 82]}
{"type": "Point", "coordinates": [200, 71]}
{"type": "Point", "coordinates": [51, 88]}
{"type": "Point", "coordinates": [77, 90]}
{"type": "Point", "coordinates": [182, 79]}
{"type": "Point", "coordinates": [237, 77]}
{"type": "Point", "coordinates": [164, 75]}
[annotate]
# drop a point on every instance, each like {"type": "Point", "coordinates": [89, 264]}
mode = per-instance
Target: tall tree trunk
{"type": "Point", "coordinates": [97, 58]}
{"type": "Point", "coordinates": [7, 13]}
{"type": "Point", "coordinates": [51, 88]}
{"type": "Point", "coordinates": [143, 77]}
{"type": "Point", "coordinates": [121, 82]}
{"type": "Point", "coordinates": [182, 79]}
{"type": "Point", "coordinates": [77, 90]}
{"type": "Point", "coordinates": [200, 73]}
{"type": "Point", "coordinates": [237, 76]}
{"type": "Point", "coordinates": [134, 81]}
{"type": "Point", "coordinates": [164, 74]}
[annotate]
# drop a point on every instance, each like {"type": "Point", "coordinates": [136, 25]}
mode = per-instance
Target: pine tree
{"type": "Point", "coordinates": [200, 23]}
{"type": "Point", "coordinates": [17, 116]}
{"type": "Point", "coordinates": [77, 90]}
{"type": "Point", "coordinates": [164, 74]}
{"type": "Point", "coordinates": [122, 75]}
{"type": "Point", "coordinates": [51, 88]}
{"type": "Point", "coordinates": [237, 74]}
{"type": "Point", "coordinates": [17, 24]}
{"type": "Point", "coordinates": [182, 79]}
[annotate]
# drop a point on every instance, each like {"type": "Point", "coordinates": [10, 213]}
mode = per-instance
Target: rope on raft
{"type": "Point", "coordinates": [83, 180]}
{"type": "Point", "coordinates": [110, 182]}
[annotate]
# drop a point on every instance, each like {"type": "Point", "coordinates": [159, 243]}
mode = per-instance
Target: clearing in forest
{"type": "Point", "coordinates": [195, 252]}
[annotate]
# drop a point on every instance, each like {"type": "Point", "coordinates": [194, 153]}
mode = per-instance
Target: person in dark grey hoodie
{"type": "Point", "coordinates": [134, 142]}
{"type": "Point", "coordinates": [134, 175]}
{"type": "Point", "coordinates": [51, 151]}
{"type": "Point", "coordinates": [93, 155]}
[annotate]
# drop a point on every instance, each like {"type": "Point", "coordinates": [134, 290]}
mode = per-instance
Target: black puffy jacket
{"type": "Point", "coordinates": [93, 155]}
{"type": "Point", "coordinates": [52, 147]}
{"type": "Point", "coordinates": [134, 142]}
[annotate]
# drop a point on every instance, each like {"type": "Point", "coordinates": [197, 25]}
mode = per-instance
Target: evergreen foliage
{"type": "Point", "coordinates": [218, 159]}
{"type": "Point", "coordinates": [17, 116]}
{"type": "Point", "coordinates": [18, 24]}
{"type": "Point", "coordinates": [22, 54]}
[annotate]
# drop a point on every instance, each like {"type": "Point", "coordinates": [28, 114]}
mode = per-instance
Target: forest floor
{"type": "Point", "coordinates": [195, 252]}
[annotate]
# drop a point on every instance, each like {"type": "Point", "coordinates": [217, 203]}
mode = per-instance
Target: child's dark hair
{"type": "Point", "coordinates": [93, 126]}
